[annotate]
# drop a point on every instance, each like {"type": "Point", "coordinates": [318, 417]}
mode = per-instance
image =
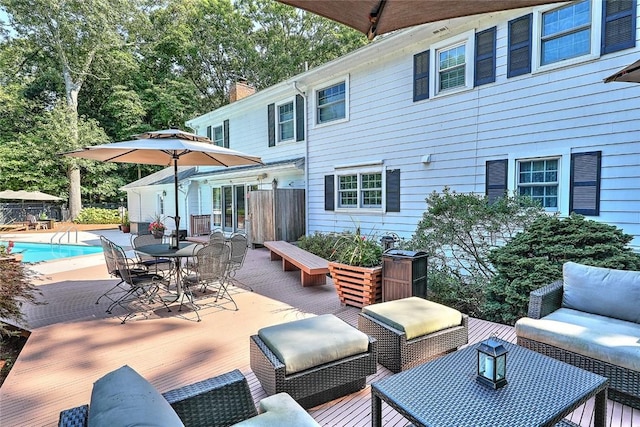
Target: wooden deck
{"type": "Point", "coordinates": [74, 342]}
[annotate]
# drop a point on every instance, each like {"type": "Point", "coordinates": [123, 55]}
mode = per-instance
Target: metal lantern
{"type": "Point", "coordinates": [173, 240]}
{"type": "Point", "coordinates": [492, 363]}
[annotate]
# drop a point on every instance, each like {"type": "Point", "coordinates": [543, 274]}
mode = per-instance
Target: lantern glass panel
{"type": "Point", "coordinates": [501, 364]}
{"type": "Point", "coordinates": [485, 366]}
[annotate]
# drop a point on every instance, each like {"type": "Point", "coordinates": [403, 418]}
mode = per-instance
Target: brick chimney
{"type": "Point", "coordinates": [239, 90]}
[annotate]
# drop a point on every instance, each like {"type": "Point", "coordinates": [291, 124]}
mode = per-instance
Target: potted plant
{"type": "Point", "coordinates": [356, 269]}
{"type": "Point", "coordinates": [126, 225]}
{"type": "Point", "coordinates": [157, 227]}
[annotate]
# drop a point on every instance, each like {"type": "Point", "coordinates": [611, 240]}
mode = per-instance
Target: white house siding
{"type": "Point", "coordinates": [558, 112]}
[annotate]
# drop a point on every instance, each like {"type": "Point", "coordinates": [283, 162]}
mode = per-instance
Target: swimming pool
{"type": "Point", "coordinates": [37, 252]}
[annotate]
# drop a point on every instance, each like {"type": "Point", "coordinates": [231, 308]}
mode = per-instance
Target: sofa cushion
{"type": "Point", "coordinates": [598, 337]}
{"type": "Point", "coordinates": [415, 316]}
{"type": "Point", "coordinates": [306, 343]}
{"type": "Point", "coordinates": [280, 410]}
{"type": "Point", "coordinates": [124, 398]}
{"type": "Point", "coordinates": [603, 291]}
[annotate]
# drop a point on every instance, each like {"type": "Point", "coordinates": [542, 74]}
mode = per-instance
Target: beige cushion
{"type": "Point", "coordinates": [280, 410]}
{"type": "Point", "coordinates": [124, 398]}
{"type": "Point", "coordinates": [603, 291]}
{"type": "Point", "coordinates": [415, 316]}
{"type": "Point", "coordinates": [306, 343]}
{"type": "Point", "coordinates": [598, 337]}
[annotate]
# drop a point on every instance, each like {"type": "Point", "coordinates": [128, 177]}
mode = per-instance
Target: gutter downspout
{"type": "Point", "coordinates": [306, 160]}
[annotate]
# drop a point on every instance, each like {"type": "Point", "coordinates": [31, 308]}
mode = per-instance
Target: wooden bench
{"type": "Point", "coordinates": [313, 269]}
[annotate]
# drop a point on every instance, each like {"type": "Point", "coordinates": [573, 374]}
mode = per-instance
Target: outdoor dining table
{"type": "Point", "coordinates": [162, 250]}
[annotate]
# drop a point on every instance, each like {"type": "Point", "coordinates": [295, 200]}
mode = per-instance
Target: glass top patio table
{"type": "Point", "coordinates": [541, 391]}
{"type": "Point", "coordinates": [162, 250]}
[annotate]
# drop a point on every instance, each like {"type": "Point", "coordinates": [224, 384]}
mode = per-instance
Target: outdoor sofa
{"type": "Point", "coordinates": [590, 319]}
{"type": "Point", "coordinates": [123, 397]}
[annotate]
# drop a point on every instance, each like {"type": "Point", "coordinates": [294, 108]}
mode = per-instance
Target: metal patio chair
{"type": "Point", "coordinates": [161, 266]}
{"type": "Point", "coordinates": [211, 271]}
{"type": "Point", "coordinates": [121, 287]}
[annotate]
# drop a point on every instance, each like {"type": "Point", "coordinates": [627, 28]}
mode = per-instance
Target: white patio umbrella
{"type": "Point", "coordinates": [167, 147]}
{"type": "Point", "coordinates": [28, 195]}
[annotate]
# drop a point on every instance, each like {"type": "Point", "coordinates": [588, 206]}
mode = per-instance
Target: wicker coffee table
{"type": "Point", "coordinates": [541, 391]}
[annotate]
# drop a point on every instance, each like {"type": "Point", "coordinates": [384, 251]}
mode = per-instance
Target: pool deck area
{"type": "Point", "coordinates": [74, 341]}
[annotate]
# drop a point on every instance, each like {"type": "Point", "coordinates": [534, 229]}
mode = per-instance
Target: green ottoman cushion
{"type": "Point", "coordinates": [124, 398]}
{"type": "Point", "coordinates": [306, 343]}
{"type": "Point", "coordinates": [415, 316]}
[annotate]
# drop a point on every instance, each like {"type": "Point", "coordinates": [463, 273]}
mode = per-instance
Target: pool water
{"type": "Point", "coordinates": [37, 252]}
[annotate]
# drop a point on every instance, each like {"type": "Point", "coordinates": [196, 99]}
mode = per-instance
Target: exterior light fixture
{"type": "Point", "coordinates": [492, 363]}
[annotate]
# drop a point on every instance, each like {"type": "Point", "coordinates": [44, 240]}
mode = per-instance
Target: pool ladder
{"type": "Point", "coordinates": [65, 231]}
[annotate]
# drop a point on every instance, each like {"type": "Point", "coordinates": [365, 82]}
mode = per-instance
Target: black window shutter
{"type": "Point", "coordinates": [485, 67]}
{"type": "Point", "coordinates": [225, 134]}
{"type": "Point", "coordinates": [393, 190]}
{"type": "Point", "coordinates": [271, 119]}
{"type": "Point", "coordinates": [496, 179]}
{"type": "Point", "coordinates": [421, 76]}
{"type": "Point", "coordinates": [618, 25]}
{"type": "Point", "coordinates": [584, 190]}
{"type": "Point", "coordinates": [329, 198]}
{"type": "Point", "coordinates": [519, 46]}
{"type": "Point", "coordinates": [299, 118]}
{"type": "Point", "coordinates": [209, 133]}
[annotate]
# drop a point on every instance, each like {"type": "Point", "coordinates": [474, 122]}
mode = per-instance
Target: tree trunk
{"type": "Point", "coordinates": [73, 171]}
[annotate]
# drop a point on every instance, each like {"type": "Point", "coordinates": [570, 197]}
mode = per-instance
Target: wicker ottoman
{"type": "Point", "coordinates": [314, 360]}
{"type": "Point", "coordinates": [411, 331]}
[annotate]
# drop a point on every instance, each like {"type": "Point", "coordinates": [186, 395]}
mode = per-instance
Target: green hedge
{"type": "Point", "coordinates": [98, 216]}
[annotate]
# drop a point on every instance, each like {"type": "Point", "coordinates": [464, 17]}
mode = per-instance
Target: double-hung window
{"type": "Point", "coordinates": [452, 64]}
{"type": "Point", "coordinates": [286, 122]}
{"type": "Point", "coordinates": [218, 136]}
{"type": "Point", "coordinates": [360, 191]}
{"type": "Point", "coordinates": [538, 179]}
{"type": "Point", "coordinates": [565, 33]}
{"type": "Point", "coordinates": [331, 103]}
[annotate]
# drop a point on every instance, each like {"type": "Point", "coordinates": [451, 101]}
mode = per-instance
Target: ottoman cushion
{"type": "Point", "coordinates": [415, 316]}
{"type": "Point", "coordinates": [306, 343]}
{"type": "Point", "coordinates": [123, 397]}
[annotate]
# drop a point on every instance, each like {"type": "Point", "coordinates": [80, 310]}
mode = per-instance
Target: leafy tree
{"type": "Point", "coordinates": [534, 258]}
{"type": "Point", "coordinates": [74, 33]}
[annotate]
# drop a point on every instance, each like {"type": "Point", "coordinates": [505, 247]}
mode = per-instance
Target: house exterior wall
{"type": "Point", "coordinates": [552, 113]}
{"type": "Point", "coordinates": [446, 140]}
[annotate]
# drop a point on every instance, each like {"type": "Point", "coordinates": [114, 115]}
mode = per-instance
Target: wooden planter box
{"type": "Point", "coordinates": [357, 286]}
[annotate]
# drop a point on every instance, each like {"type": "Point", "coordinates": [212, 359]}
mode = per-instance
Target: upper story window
{"type": "Point", "coordinates": [331, 103]}
{"type": "Point", "coordinates": [566, 33]}
{"type": "Point", "coordinates": [451, 67]}
{"type": "Point", "coordinates": [539, 179]}
{"type": "Point", "coordinates": [285, 121]}
{"type": "Point", "coordinates": [452, 64]}
{"type": "Point", "coordinates": [216, 135]}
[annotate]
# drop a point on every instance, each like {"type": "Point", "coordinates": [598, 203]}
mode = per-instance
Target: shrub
{"type": "Point", "coordinates": [534, 258]}
{"type": "Point", "coordinates": [320, 244]}
{"type": "Point", "coordinates": [458, 231]}
{"type": "Point", "coordinates": [445, 289]}
{"type": "Point", "coordinates": [15, 289]}
{"type": "Point", "coordinates": [98, 216]}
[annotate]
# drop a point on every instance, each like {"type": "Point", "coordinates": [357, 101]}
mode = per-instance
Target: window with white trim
{"type": "Point", "coordinates": [565, 33]}
{"type": "Point", "coordinates": [360, 190]}
{"type": "Point", "coordinates": [539, 179]}
{"type": "Point", "coordinates": [331, 103]}
{"type": "Point", "coordinates": [452, 64]}
{"type": "Point", "coordinates": [286, 121]}
{"type": "Point", "coordinates": [217, 136]}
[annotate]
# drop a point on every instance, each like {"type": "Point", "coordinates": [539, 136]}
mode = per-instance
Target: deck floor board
{"type": "Point", "coordinates": [74, 342]}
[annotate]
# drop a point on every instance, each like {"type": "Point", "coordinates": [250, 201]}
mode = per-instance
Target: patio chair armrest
{"type": "Point", "coordinates": [545, 300]}
{"type": "Point", "coordinates": [225, 399]}
{"type": "Point", "coordinates": [74, 417]}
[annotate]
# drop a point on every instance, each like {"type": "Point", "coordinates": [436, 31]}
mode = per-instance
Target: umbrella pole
{"type": "Point", "coordinates": [175, 189]}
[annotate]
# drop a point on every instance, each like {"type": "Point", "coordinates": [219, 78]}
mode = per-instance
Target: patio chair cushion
{"type": "Point", "coordinates": [602, 291]}
{"type": "Point", "coordinates": [415, 316]}
{"type": "Point", "coordinates": [279, 410]}
{"type": "Point", "coordinates": [123, 397]}
{"type": "Point", "coordinates": [306, 343]}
